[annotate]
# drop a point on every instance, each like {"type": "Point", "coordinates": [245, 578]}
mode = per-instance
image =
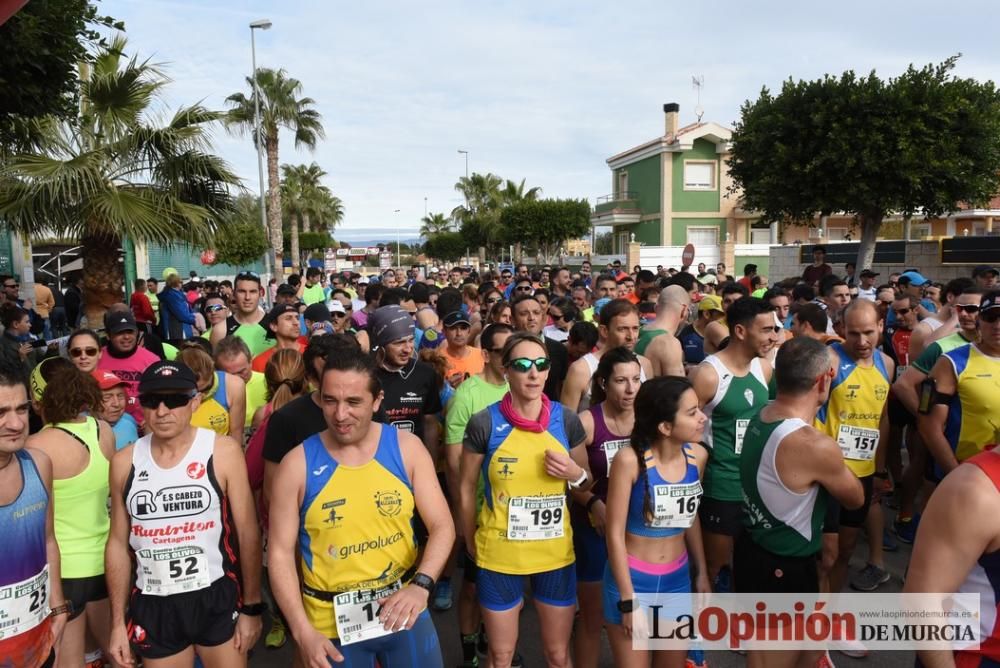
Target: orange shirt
{"type": "Point", "coordinates": [469, 365]}
{"type": "Point", "coordinates": [261, 360]}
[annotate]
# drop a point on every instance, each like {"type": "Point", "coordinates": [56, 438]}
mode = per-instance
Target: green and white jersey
{"type": "Point", "coordinates": [737, 399]}
{"type": "Point", "coordinates": [779, 520]}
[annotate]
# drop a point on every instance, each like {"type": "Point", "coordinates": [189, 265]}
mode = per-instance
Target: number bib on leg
{"type": "Point", "coordinates": [356, 614]}
{"type": "Point", "coordinates": [24, 605]}
{"type": "Point", "coordinates": [675, 506]}
{"type": "Point", "coordinates": [857, 443]}
{"type": "Point", "coordinates": [535, 517]}
{"type": "Point", "coordinates": [173, 570]}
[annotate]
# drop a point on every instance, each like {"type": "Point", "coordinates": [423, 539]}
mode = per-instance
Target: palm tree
{"type": "Point", "coordinates": [515, 192]}
{"type": "Point", "coordinates": [306, 199]}
{"type": "Point", "coordinates": [329, 211]}
{"type": "Point", "coordinates": [112, 173]}
{"type": "Point", "coordinates": [280, 107]}
{"type": "Point", "coordinates": [432, 224]}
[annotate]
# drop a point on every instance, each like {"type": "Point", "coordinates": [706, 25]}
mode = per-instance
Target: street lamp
{"type": "Point", "coordinates": [466, 154]}
{"type": "Point", "coordinates": [399, 264]}
{"type": "Point", "coordinates": [261, 24]}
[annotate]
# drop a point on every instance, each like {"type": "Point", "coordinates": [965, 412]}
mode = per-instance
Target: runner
{"type": "Point", "coordinates": [245, 322]}
{"type": "Point", "coordinates": [788, 470]}
{"type": "Point", "coordinates": [619, 326]}
{"type": "Point", "coordinates": [529, 316]}
{"type": "Point", "coordinates": [717, 332]}
{"type": "Point", "coordinates": [463, 359]}
{"type": "Point", "coordinates": [30, 579]}
{"type": "Point", "coordinates": [223, 403]}
{"type": "Point", "coordinates": [189, 485]}
{"type": "Point", "coordinates": [731, 387]}
{"type": "Point", "coordinates": [527, 449]}
{"type": "Point", "coordinates": [112, 408]}
{"type": "Point", "coordinates": [944, 322]}
{"type": "Point", "coordinates": [658, 340]}
{"type": "Point", "coordinates": [692, 337]}
{"type": "Point", "coordinates": [856, 416]}
{"type": "Point", "coordinates": [349, 498]}
{"type": "Point", "coordinates": [285, 327]}
{"type": "Point", "coordinates": [653, 546]}
{"type": "Point", "coordinates": [608, 424]}
{"type": "Point", "coordinates": [232, 355]}
{"type": "Point", "coordinates": [959, 418]}
{"type": "Point", "coordinates": [124, 357]}
{"type": "Point", "coordinates": [961, 529]}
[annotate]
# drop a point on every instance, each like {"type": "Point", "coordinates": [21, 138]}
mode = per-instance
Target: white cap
{"type": "Point", "coordinates": [432, 270]}
{"type": "Point", "coordinates": [336, 307]}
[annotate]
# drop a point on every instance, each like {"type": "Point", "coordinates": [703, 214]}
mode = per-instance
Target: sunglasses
{"type": "Point", "coordinates": [338, 314]}
{"type": "Point", "coordinates": [171, 401]}
{"type": "Point", "coordinates": [901, 311]}
{"type": "Point", "coordinates": [214, 308]}
{"type": "Point", "coordinates": [494, 301]}
{"type": "Point", "coordinates": [524, 364]}
{"type": "Point", "coordinates": [91, 352]}
{"type": "Point", "coordinates": [557, 316]}
{"type": "Point", "coordinates": [885, 302]}
{"type": "Point", "coordinates": [968, 308]}
{"type": "Point", "coordinates": [252, 275]}
{"type": "Point", "coordinates": [10, 286]}
{"type": "Point", "coordinates": [523, 288]}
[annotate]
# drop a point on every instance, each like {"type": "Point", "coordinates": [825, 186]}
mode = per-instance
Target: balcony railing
{"type": "Point", "coordinates": [620, 200]}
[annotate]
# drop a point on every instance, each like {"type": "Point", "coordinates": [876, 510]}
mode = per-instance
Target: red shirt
{"type": "Point", "coordinates": [142, 309]}
{"type": "Point", "coordinates": [261, 360]}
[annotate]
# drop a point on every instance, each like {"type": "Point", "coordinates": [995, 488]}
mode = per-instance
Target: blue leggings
{"type": "Point", "coordinates": [415, 648]}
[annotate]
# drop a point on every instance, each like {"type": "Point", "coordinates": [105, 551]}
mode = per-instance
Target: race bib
{"type": "Point", "coordinates": [356, 614]}
{"type": "Point", "coordinates": [173, 570]}
{"type": "Point", "coordinates": [536, 517]}
{"type": "Point", "coordinates": [611, 449]}
{"type": "Point", "coordinates": [741, 432]}
{"type": "Point", "coordinates": [676, 505]}
{"type": "Point", "coordinates": [24, 605]}
{"type": "Point", "coordinates": [404, 425]}
{"type": "Point", "coordinates": [858, 443]}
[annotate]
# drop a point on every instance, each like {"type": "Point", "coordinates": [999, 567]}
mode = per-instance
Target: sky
{"type": "Point", "coordinates": [541, 91]}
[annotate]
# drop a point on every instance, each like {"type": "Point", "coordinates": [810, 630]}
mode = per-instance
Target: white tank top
{"type": "Point", "coordinates": [180, 532]}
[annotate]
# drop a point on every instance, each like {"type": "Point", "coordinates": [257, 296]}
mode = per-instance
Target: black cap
{"type": "Point", "coordinates": [456, 318]}
{"type": "Point", "coordinates": [119, 321]}
{"type": "Point", "coordinates": [990, 300]}
{"type": "Point", "coordinates": [984, 269]}
{"type": "Point", "coordinates": [160, 376]}
{"type": "Point", "coordinates": [318, 312]}
{"type": "Point", "coordinates": [865, 273]}
{"type": "Point", "coordinates": [285, 290]}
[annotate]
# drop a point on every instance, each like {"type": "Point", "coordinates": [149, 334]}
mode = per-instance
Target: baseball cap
{"type": "Point", "coordinates": [119, 321]}
{"type": "Point", "coordinates": [709, 279]}
{"type": "Point", "coordinates": [865, 273]}
{"type": "Point", "coordinates": [106, 379]}
{"type": "Point", "coordinates": [37, 380]}
{"type": "Point", "coordinates": [914, 277]}
{"type": "Point", "coordinates": [990, 301]}
{"type": "Point", "coordinates": [319, 312]}
{"type": "Point", "coordinates": [390, 323]}
{"type": "Point", "coordinates": [335, 307]}
{"type": "Point", "coordinates": [984, 269]}
{"type": "Point", "coordinates": [168, 272]}
{"type": "Point", "coordinates": [285, 290]}
{"type": "Point", "coordinates": [456, 318]}
{"type": "Point", "coordinates": [710, 303]}
{"type": "Point", "coordinates": [433, 270]}
{"type": "Point", "coordinates": [160, 376]}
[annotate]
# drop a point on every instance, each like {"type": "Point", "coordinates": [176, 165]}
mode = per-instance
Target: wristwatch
{"type": "Point", "coordinates": [251, 609]}
{"type": "Point", "coordinates": [424, 582]}
{"type": "Point", "coordinates": [626, 605]}
{"type": "Point", "coordinates": [66, 608]}
{"type": "Point", "coordinates": [581, 482]}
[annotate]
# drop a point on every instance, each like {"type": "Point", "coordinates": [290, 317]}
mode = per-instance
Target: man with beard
{"type": "Point", "coordinates": [245, 322]}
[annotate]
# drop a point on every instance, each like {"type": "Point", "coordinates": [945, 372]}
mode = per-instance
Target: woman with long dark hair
{"type": "Point", "coordinates": [653, 496]}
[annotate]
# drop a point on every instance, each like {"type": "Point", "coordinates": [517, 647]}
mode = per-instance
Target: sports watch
{"type": "Point", "coordinates": [424, 582]}
{"type": "Point", "coordinates": [627, 605]}
{"type": "Point", "coordinates": [251, 609]}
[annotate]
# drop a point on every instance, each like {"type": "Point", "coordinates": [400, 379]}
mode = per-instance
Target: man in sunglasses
{"type": "Point", "coordinates": [896, 343]}
{"type": "Point", "coordinates": [245, 320]}
{"type": "Point", "coordinates": [181, 506]}
{"type": "Point", "coordinates": [866, 288]}
{"type": "Point", "coordinates": [944, 322]}
{"type": "Point", "coordinates": [962, 419]}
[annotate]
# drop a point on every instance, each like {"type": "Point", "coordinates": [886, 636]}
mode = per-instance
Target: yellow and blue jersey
{"type": "Point", "coordinates": [852, 413]}
{"type": "Point", "coordinates": [355, 525]}
{"type": "Point", "coordinates": [972, 419]}
{"type": "Point", "coordinates": [514, 468]}
{"type": "Point", "coordinates": [213, 413]}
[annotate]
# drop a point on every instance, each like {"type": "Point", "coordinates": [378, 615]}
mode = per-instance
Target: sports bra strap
{"type": "Point", "coordinates": [97, 428]}
{"type": "Point", "coordinates": [988, 462]}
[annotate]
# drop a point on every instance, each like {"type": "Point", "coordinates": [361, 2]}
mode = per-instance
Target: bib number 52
{"type": "Point", "coordinates": [185, 566]}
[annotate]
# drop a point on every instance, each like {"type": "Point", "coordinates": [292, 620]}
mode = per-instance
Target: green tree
{"type": "Point", "coordinates": [241, 240]}
{"type": "Point", "coordinates": [280, 107]}
{"type": "Point", "coordinates": [113, 173]}
{"type": "Point", "coordinates": [41, 46]}
{"type": "Point", "coordinates": [446, 246]}
{"type": "Point", "coordinates": [548, 223]}
{"type": "Point", "coordinates": [306, 199]}
{"type": "Point", "coordinates": [918, 144]}
{"type": "Point", "coordinates": [486, 195]}
{"type": "Point", "coordinates": [434, 223]}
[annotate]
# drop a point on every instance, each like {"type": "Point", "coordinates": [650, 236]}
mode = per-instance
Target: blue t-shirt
{"type": "Point", "coordinates": [126, 431]}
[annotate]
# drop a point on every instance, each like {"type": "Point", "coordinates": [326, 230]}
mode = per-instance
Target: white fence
{"type": "Point", "coordinates": [670, 256]}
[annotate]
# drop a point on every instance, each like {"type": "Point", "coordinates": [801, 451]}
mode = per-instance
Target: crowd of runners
{"type": "Point", "coordinates": [330, 460]}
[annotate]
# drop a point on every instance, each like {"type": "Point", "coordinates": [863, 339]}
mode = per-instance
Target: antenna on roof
{"type": "Point", "coordinates": [698, 82]}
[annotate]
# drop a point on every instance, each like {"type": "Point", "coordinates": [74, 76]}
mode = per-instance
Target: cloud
{"type": "Point", "coordinates": [541, 91]}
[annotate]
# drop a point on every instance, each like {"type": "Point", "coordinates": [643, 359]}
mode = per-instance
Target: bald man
{"type": "Point", "coordinates": [658, 340]}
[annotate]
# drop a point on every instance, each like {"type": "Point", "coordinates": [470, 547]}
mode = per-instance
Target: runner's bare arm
{"type": "Point", "coordinates": [469, 477]}
{"type": "Point", "coordinates": [884, 426]}
{"type": "Point", "coordinates": [823, 463]}
{"type": "Point", "coordinates": [231, 463]}
{"type": "Point", "coordinates": [932, 425]}
{"type": "Point", "coordinates": [646, 366]}
{"type": "Point", "coordinates": [44, 466]}
{"type": "Point", "coordinates": [958, 526]}
{"type": "Point", "coordinates": [692, 536]}
{"type": "Point", "coordinates": [706, 381]}
{"type": "Point", "coordinates": [106, 439]}
{"type": "Point", "coordinates": [236, 390]}
{"type": "Point", "coordinates": [906, 388]}
{"type": "Point", "coordinates": [587, 420]}
{"type": "Point", "coordinates": [432, 436]}
{"type": "Point", "coordinates": [576, 382]}
{"type": "Point", "coordinates": [117, 560]}
{"type": "Point", "coordinates": [620, 480]}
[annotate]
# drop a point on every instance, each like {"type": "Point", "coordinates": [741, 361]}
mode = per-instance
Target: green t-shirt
{"type": "Point", "coordinates": [472, 396]}
{"type": "Point", "coordinates": [256, 395]}
{"type": "Point", "coordinates": [933, 352]}
{"type": "Point", "coordinates": [255, 337]}
{"type": "Point", "coordinates": [313, 295]}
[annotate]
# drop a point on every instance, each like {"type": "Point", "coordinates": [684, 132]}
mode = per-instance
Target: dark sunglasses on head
{"type": "Point", "coordinates": [170, 400]}
{"type": "Point", "coordinates": [524, 364]}
{"type": "Point", "coordinates": [92, 352]}
{"type": "Point", "coordinates": [968, 308]}
{"type": "Point", "coordinates": [247, 276]}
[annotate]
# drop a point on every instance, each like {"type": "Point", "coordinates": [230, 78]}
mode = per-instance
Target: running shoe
{"type": "Point", "coordinates": [870, 578]}
{"type": "Point", "coordinates": [906, 529]}
{"type": "Point", "coordinates": [889, 543]}
{"type": "Point", "coordinates": [277, 636]}
{"type": "Point", "coordinates": [442, 596]}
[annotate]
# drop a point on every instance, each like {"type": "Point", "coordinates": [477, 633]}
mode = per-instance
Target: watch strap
{"type": "Point", "coordinates": [251, 609]}
{"type": "Point", "coordinates": [423, 581]}
{"type": "Point", "coordinates": [65, 608]}
{"type": "Point", "coordinates": [626, 605]}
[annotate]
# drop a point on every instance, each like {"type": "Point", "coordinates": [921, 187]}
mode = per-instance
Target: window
{"type": "Point", "coordinates": [622, 183]}
{"type": "Point", "coordinates": [837, 233]}
{"type": "Point", "coordinates": [759, 236]}
{"type": "Point", "coordinates": [699, 174]}
{"type": "Point", "coordinates": [919, 231]}
{"type": "Point", "coordinates": [703, 236]}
